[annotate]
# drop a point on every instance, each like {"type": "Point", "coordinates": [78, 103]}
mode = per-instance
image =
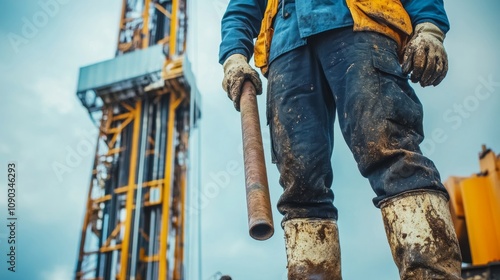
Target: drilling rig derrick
{"type": "Point", "coordinates": [146, 107]}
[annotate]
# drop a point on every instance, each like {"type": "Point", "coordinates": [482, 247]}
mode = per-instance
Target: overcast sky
{"type": "Point", "coordinates": [42, 122]}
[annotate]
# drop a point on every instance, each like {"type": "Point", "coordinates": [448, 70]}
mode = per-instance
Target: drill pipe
{"type": "Point", "coordinates": [260, 220]}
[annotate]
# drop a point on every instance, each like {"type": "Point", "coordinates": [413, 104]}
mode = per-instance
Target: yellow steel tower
{"type": "Point", "coordinates": [135, 220]}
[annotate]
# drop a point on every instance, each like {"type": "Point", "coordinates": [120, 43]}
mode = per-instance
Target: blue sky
{"type": "Point", "coordinates": [43, 124]}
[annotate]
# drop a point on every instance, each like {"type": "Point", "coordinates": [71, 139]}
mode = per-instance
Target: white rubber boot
{"type": "Point", "coordinates": [421, 236]}
{"type": "Point", "coordinates": [312, 249]}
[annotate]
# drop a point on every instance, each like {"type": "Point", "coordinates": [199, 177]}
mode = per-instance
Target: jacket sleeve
{"type": "Point", "coordinates": [427, 11]}
{"type": "Point", "coordinates": [240, 25]}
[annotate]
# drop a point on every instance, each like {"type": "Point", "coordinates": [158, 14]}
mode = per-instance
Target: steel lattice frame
{"type": "Point", "coordinates": [134, 224]}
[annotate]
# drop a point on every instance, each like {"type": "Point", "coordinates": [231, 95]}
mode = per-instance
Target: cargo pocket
{"type": "Point", "coordinates": [400, 101]}
{"type": "Point", "coordinates": [387, 62]}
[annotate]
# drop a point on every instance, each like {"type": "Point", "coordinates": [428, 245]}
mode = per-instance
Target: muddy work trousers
{"type": "Point", "coordinates": [356, 75]}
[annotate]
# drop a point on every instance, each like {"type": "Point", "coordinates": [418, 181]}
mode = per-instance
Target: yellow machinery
{"type": "Point", "coordinates": [475, 207]}
{"type": "Point", "coordinates": [135, 220]}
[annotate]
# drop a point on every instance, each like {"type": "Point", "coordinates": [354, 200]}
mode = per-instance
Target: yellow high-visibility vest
{"type": "Point", "coordinates": [384, 16]}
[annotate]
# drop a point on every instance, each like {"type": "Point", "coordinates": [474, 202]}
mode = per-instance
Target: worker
{"type": "Point", "coordinates": [353, 58]}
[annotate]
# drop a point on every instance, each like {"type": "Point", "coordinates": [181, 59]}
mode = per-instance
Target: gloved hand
{"type": "Point", "coordinates": [425, 55]}
{"type": "Point", "coordinates": [236, 72]}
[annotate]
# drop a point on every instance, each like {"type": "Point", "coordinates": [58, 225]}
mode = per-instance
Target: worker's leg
{"type": "Point", "coordinates": [381, 120]}
{"type": "Point", "coordinates": [380, 115]}
{"type": "Point", "coordinates": [301, 114]}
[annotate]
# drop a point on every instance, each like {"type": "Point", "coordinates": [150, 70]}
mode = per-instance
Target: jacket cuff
{"type": "Point", "coordinates": [441, 27]}
{"type": "Point", "coordinates": [235, 51]}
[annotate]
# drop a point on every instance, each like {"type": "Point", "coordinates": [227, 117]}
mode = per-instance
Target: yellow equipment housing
{"type": "Point", "coordinates": [475, 208]}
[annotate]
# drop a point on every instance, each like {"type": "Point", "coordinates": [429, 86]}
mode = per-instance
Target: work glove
{"type": "Point", "coordinates": [425, 56]}
{"type": "Point", "coordinates": [236, 72]}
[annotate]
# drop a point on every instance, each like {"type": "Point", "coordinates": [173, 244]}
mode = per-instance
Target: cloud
{"type": "Point", "coordinates": [5, 149]}
{"type": "Point", "coordinates": [58, 272]}
{"type": "Point", "coordinates": [54, 95]}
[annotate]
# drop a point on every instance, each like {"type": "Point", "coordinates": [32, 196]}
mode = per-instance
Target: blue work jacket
{"type": "Point", "coordinates": [299, 19]}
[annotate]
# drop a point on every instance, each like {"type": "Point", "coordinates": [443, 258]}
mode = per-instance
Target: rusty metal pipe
{"type": "Point", "coordinates": [260, 220]}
